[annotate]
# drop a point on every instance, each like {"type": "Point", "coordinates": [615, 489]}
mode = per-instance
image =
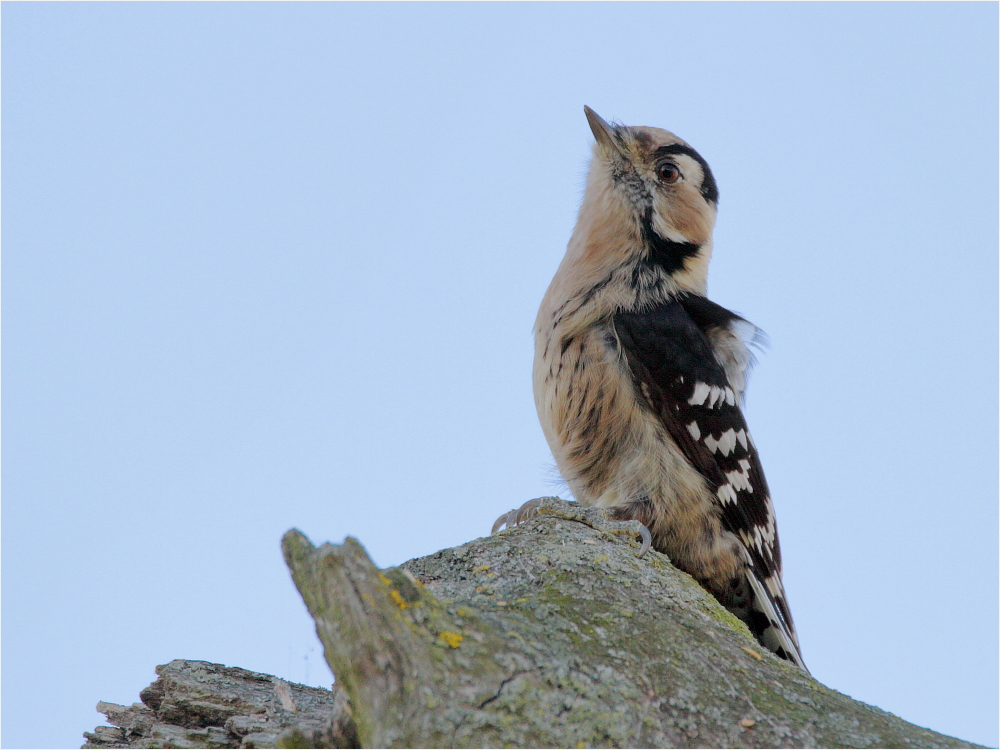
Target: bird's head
{"type": "Point", "coordinates": [653, 184]}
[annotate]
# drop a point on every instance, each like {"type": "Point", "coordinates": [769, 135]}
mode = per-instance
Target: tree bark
{"type": "Point", "coordinates": [555, 634]}
{"type": "Point", "coordinates": [198, 704]}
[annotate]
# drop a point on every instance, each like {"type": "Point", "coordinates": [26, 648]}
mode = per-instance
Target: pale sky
{"type": "Point", "coordinates": [276, 265]}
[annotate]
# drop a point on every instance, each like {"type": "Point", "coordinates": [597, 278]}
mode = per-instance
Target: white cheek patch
{"type": "Point", "coordinates": [666, 231]}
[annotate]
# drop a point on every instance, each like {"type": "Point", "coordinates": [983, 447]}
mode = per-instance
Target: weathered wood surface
{"type": "Point", "coordinates": [555, 634]}
{"type": "Point", "coordinates": [198, 704]}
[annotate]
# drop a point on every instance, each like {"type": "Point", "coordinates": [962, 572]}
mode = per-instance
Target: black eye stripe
{"type": "Point", "coordinates": [709, 190]}
{"type": "Point", "coordinates": [678, 148]}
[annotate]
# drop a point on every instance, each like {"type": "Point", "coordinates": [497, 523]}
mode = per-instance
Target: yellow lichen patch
{"type": "Point", "coordinates": [452, 639]}
{"type": "Point", "coordinates": [481, 569]}
{"type": "Point", "coordinates": [385, 581]}
{"type": "Point", "coordinates": [403, 604]}
{"type": "Point", "coordinates": [753, 653]}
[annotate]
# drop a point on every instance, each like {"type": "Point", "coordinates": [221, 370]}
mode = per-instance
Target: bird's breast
{"type": "Point", "coordinates": [594, 420]}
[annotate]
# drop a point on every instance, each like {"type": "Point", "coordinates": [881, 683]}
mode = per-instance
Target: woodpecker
{"type": "Point", "coordinates": [639, 377]}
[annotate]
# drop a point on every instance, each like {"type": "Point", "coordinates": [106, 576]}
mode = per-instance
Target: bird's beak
{"type": "Point", "coordinates": [603, 132]}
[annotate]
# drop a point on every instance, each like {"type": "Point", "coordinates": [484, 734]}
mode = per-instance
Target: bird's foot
{"type": "Point", "coordinates": [519, 515]}
{"type": "Point", "coordinates": [600, 519]}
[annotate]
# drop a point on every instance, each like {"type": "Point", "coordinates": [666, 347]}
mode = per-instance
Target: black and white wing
{"type": "Point", "coordinates": [692, 376]}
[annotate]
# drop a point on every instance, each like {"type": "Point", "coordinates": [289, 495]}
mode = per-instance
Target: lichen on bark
{"type": "Point", "coordinates": [552, 634]}
{"type": "Point", "coordinates": [555, 634]}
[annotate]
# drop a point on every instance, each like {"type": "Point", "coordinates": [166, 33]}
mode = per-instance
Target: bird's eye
{"type": "Point", "coordinates": [668, 172]}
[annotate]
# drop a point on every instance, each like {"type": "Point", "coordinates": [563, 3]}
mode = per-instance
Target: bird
{"type": "Point", "coordinates": [639, 378]}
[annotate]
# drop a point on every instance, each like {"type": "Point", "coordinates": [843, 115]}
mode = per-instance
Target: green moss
{"type": "Point", "coordinates": [722, 615]}
{"type": "Point", "coordinates": [596, 648]}
{"type": "Point", "coordinates": [294, 738]}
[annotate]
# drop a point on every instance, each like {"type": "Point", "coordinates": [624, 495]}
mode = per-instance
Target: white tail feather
{"type": "Point", "coordinates": [779, 627]}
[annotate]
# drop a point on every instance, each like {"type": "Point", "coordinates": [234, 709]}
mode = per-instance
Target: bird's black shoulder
{"type": "Point", "coordinates": [707, 314]}
{"type": "Point", "coordinates": [669, 342]}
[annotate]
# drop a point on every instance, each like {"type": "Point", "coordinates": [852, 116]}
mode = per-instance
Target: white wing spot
{"type": "Point", "coordinates": [742, 437]}
{"type": "Point", "coordinates": [727, 441]}
{"type": "Point", "coordinates": [741, 479]}
{"type": "Point", "coordinates": [701, 391]}
{"type": "Point", "coordinates": [763, 538]}
{"type": "Point", "coordinates": [764, 535]}
{"type": "Point", "coordinates": [726, 494]}
{"type": "Point", "coordinates": [694, 430]}
{"type": "Point", "coordinates": [773, 584]}
{"type": "Point", "coordinates": [715, 397]}
{"type": "Point", "coordinates": [724, 444]}
{"type": "Point", "coordinates": [730, 397]}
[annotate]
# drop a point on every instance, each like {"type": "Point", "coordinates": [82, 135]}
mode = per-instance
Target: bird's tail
{"type": "Point", "coordinates": [779, 635]}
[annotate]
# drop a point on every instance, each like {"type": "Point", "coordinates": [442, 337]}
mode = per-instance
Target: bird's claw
{"type": "Point", "coordinates": [647, 540]}
{"type": "Point", "coordinates": [532, 508]}
{"type": "Point", "coordinates": [517, 516]}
